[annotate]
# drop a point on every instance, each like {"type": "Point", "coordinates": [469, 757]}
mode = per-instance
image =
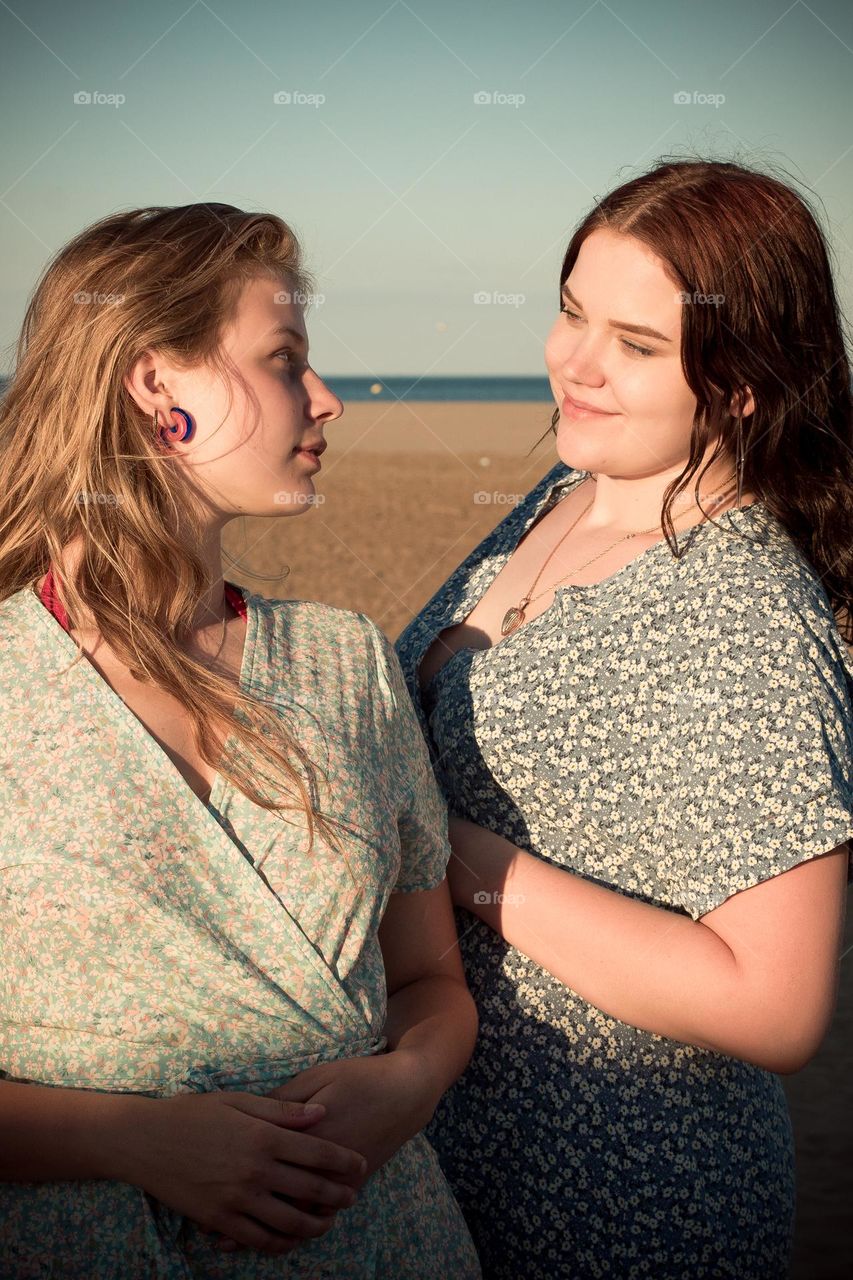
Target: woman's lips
{"type": "Point", "coordinates": [310, 455]}
{"type": "Point", "coordinates": [574, 409]}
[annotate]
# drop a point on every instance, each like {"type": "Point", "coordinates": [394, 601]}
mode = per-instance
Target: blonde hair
{"type": "Point", "coordinates": [157, 278]}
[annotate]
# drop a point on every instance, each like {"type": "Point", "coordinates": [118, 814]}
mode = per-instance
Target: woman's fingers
{"type": "Point", "coordinates": [278, 1228]}
{"type": "Point", "coordinates": [320, 1153]}
{"type": "Point", "coordinates": [305, 1188]}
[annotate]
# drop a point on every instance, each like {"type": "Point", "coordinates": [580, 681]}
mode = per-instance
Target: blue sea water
{"type": "Point", "coordinates": [482, 387]}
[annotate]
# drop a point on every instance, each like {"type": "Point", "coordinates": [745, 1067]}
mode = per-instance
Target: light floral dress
{"type": "Point", "coordinates": [677, 732]}
{"type": "Point", "coordinates": [154, 943]}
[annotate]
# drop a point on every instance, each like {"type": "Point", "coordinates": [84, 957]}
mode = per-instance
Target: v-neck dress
{"type": "Point", "coordinates": [156, 944]}
{"type": "Point", "coordinates": [51, 601]}
{"type": "Point", "coordinates": [678, 732]}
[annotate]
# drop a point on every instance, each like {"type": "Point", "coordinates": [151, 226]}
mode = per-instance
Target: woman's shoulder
{"type": "Point", "coordinates": [759, 588]}
{"type": "Point", "coordinates": [316, 624]}
{"type": "Point", "coordinates": [331, 645]}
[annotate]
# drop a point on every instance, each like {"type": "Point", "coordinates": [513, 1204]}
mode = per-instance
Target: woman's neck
{"type": "Point", "coordinates": [627, 505]}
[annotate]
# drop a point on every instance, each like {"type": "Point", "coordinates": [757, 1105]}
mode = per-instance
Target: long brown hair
{"type": "Point", "coordinates": [759, 311]}
{"type": "Point", "coordinates": [157, 278]}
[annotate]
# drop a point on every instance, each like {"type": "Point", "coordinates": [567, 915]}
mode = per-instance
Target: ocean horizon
{"type": "Point", "coordinates": [470, 388]}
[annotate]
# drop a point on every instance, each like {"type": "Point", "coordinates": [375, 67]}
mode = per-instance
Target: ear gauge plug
{"type": "Point", "coordinates": [180, 431]}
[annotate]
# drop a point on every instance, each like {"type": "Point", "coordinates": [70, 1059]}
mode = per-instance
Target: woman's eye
{"type": "Point", "coordinates": [632, 346]}
{"type": "Point", "coordinates": [291, 359]}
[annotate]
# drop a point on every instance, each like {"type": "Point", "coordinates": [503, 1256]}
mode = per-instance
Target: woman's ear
{"type": "Point", "coordinates": [742, 403]}
{"type": "Point", "coordinates": [145, 382]}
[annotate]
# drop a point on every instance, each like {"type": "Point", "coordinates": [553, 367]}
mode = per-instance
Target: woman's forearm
{"type": "Point", "coordinates": [432, 1024]}
{"type": "Point", "coordinates": [645, 965]}
{"type": "Point", "coordinates": [67, 1134]}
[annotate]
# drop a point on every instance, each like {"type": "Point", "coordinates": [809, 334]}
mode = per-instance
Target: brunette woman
{"type": "Point", "coordinates": [637, 696]}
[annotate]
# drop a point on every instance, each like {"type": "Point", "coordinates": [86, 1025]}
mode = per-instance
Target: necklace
{"type": "Point", "coordinates": [514, 616]}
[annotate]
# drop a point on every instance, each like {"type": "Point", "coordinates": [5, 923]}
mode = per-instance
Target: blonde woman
{"type": "Point", "coordinates": [637, 697]}
{"type": "Point", "coordinates": [222, 850]}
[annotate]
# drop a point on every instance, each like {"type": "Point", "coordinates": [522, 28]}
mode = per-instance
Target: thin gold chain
{"type": "Point", "coordinates": [514, 616]}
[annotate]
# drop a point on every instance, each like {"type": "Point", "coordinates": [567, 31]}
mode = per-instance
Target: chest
{"type": "Point", "coordinates": [549, 545]}
{"type": "Point", "coordinates": [162, 715]}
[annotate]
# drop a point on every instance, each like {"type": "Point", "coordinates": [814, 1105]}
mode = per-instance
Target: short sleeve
{"type": "Point", "coordinates": [762, 776]}
{"type": "Point", "coordinates": [421, 809]}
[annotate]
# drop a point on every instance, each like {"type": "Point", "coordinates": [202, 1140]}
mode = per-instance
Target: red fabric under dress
{"type": "Point", "coordinates": [51, 601]}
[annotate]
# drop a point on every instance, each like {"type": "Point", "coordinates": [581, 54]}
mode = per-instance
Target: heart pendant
{"type": "Point", "coordinates": [513, 619]}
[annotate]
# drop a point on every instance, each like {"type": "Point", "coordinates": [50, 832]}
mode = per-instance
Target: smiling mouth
{"type": "Point", "coordinates": [580, 407]}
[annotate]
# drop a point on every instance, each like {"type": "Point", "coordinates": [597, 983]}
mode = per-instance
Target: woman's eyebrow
{"type": "Point", "coordinates": [286, 331]}
{"type": "Point", "coordinates": [619, 324]}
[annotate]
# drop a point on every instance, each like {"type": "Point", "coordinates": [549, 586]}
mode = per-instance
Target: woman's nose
{"type": "Point", "coordinates": [323, 403]}
{"type": "Point", "coordinates": [581, 362]}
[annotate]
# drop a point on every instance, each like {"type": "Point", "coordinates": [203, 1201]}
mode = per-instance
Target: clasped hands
{"type": "Point", "coordinates": [373, 1105]}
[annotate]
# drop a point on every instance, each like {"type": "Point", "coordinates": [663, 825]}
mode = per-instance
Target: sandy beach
{"type": "Point", "coordinates": [407, 491]}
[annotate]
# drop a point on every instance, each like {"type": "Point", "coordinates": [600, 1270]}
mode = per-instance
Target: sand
{"type": "Point", "coordinates": [407, 491]}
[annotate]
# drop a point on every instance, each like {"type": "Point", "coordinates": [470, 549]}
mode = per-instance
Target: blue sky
{"type": "Point", "coordinates": [409, 195]}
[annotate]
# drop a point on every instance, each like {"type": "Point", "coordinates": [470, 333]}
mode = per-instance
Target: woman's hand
{"type": "Point", "coordinates": [373, 1104]}
{"type": "Point", "coordinates": [227, 1159]}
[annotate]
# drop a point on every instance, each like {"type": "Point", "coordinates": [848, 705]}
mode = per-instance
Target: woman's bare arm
{"type": "Point", "coordinates": [432, 1017]}
{"type": "Point", "coordinates": [756, 978]}
{"type": "Point", "coordinates": [48, 1133]}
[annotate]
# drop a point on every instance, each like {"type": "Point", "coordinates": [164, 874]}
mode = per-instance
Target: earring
{"type": "Point", "coordinates": [175, 431]}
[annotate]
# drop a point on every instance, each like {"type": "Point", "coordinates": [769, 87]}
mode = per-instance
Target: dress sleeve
{"type": "Point", "coordinates": [763, 778]}
{"type": "Point", "coordinates": [421, 809]}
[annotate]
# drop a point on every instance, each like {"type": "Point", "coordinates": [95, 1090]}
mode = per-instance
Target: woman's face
{"type": "Point", "coordinates": [243, 460]}
{"type": "Point", "coordinates": [595, 355]}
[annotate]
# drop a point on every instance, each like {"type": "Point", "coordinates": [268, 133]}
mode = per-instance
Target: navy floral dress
{"type": "Point", "coordinates": [678, 732]}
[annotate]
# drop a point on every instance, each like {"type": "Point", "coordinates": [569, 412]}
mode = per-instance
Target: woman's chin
{"type": "Point", "coordinates": [576, 450]}
{"type": "Point", "coordinates": [296, 497]}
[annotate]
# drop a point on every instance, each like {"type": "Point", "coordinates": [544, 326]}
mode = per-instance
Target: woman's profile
{"type": "Point", "coordinates": [637, 696]}
{"type": "Point", "coordinates": [223, 854]}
